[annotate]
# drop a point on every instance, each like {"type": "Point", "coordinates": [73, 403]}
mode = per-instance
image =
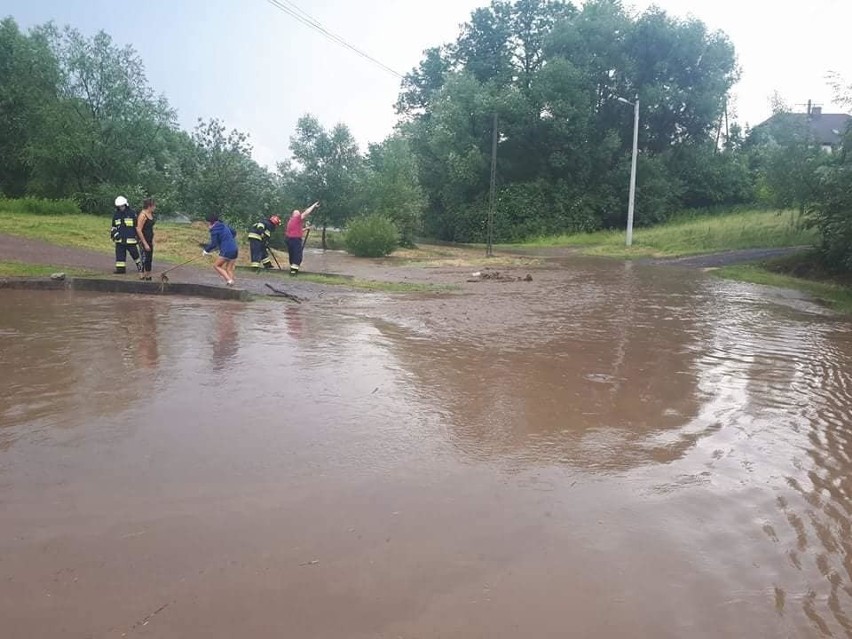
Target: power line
{"type": "Point", "coordinates": [293, 10]}
{"type": "Point", "coordinates": [302, 16]}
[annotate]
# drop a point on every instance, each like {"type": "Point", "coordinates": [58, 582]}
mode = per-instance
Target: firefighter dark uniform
{"type": "Point", "coordinates": [123, 233]}
{"type": "Point", "coordinates": [259, 237]}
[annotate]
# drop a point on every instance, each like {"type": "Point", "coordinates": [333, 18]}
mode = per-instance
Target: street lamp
{"type": "Point", "coordinates": [635, 106]}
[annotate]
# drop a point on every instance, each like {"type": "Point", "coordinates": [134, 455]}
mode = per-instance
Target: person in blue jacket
{"type": "Point", "coordinates": [222, 237]}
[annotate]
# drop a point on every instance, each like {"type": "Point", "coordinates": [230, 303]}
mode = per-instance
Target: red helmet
{"type": "Point", "coordinates": [275, 220]}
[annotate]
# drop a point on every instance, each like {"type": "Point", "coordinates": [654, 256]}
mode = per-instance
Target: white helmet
{"type": "Point", "coordinates": [121, 201]}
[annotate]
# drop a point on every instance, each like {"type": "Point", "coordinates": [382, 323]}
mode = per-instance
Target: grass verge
{"type": "Point", "coordinates": [174, 242]}
{"type": "Point", "coordinates": [20, 269]}
{"type": "Point", "coordinates": [180, 242]}
{"type": "Point", "coordinates": [691, 236]}
{"type": "Point", "coordinates": [837, 296]}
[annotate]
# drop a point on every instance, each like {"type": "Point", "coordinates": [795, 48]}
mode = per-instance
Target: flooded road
{"type": "Point", "coordinates": [614, 450]}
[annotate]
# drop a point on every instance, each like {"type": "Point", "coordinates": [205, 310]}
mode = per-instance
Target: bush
{"type": "Point", "coordinates": [335, 240]}
{"type": "Point", "coordinates": [371, 236]}
{"type": "Point", "coordinates": [37, 206]}
{"type": "Point", "coordinates": [832, 216]}
{"type": "Point", "coordinates": [101, 200]}
{"type": "Point", "coordinates": [709, 177]}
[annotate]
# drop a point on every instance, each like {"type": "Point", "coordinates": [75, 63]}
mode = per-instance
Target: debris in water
{"type": "Point", "coordinates": [497, 276]}
{"type": "Point", "coordinates": [313, 562]}
{"type": "Point", "coordinates": [57, 276]}
{"type": "Point", "coordinates": [278, 291]}
{"type": "Point", "coordinates": [146, 620]}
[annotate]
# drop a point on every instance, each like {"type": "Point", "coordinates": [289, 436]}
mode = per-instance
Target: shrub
{"type": "Point", "coordinates": [335, 240]}
{"type": "Point", "coordinates": [832, 216]}
{"type": "Point", "coordinates": [371, 236]}
{"type": "Point", "coordinates": [37, 206]}
{"type": "Point", "coordinates": [101, 200]}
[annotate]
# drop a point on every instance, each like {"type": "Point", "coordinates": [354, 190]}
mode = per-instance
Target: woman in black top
{"type": "Point", "coordinates": [145, 230]}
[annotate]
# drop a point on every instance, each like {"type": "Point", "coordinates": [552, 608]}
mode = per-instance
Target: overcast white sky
{"type": "Point", "coordinates": [258, 69]}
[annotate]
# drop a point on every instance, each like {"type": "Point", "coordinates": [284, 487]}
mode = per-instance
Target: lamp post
{"type": "Point", "coordinates": [632, 200]}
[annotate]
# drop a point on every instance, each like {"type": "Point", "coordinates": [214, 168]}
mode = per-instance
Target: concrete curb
{"type": "Point", "coordinates": [136, 287]}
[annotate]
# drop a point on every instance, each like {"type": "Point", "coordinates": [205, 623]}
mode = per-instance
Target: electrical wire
{"type": "Point", "coordinates": [295, 12]}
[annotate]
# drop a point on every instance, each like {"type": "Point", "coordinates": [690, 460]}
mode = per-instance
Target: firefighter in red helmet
{"type": "Point", "coordinates": [259, 237]}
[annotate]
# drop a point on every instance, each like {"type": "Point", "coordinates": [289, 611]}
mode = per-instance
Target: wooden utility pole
{"type": "Point", "coordinates": [489, 246]}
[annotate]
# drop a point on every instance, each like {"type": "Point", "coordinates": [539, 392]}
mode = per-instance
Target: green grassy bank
{"type": "Point", "coordinates": [836, 296]}
{"type": "Point", "coordinates": [801, 272]}
{"type": "Point", "coordinates": [691, 235]}
{"type": "Point", "coordinates": [9, 268]}
{"type": "Point", "coordinates": [175, 242]}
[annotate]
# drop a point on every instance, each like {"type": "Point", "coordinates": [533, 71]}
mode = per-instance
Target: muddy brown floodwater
{"type": "Point", "coordinates": [611, 451]}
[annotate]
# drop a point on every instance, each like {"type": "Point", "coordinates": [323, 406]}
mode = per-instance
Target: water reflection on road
{"type": "Point", "coordinates": [618, 450]}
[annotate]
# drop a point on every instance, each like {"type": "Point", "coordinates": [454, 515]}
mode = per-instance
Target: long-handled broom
{"type": "Point", "coordinates": [164, 278]}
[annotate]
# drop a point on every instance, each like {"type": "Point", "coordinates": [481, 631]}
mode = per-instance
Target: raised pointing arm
{"type": "Point", "coordinates": [310, 210]}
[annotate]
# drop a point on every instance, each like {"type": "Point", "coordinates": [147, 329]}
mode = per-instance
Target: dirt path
{"type": "Point", "coordinates": [336, 262]}
{"type": "Point", "coordinates": [454, 270]}
{"type": "Point", "coordinates": [21, 249]}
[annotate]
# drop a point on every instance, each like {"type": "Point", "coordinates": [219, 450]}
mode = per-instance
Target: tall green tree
{"type": "Point", "coordinates": [79, 119]}
{"type": "Point", "coordinates": [552, 74]}
{"type": "Point", "coordinates": [390, 186]}
{"type": "Point", "coordinates": [107, 119]}
{"type": "Point", "coordinates": [421, 85]}
{"type": "Point", "coordinates": [330, 167]}
{"type": "Point", "coordinates": [225, 179]}
{"type": "Point", "coordinates": [484, 48]}
{"type": "Point", "coordinates": [29, 83]}
{"type": "Point", "coordinates": [683, 74]}
{"type": "Point", "coordinates": [532, 21]}
{"type": "Point", "coordinates": [789, 161]}
{"type": "Point", "coordinates": [831, 209]}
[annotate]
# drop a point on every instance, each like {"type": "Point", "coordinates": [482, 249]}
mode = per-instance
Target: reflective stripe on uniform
{"type": "Point", "coordinates": [120, 264]}
{"type": "Point", "coordinates": [254, 236]}
{"type": "Point", "coordinates": [255, 264]}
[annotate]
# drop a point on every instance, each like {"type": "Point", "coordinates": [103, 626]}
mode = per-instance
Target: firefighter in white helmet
{"type": "Point", "coordinates": [123, 233]}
